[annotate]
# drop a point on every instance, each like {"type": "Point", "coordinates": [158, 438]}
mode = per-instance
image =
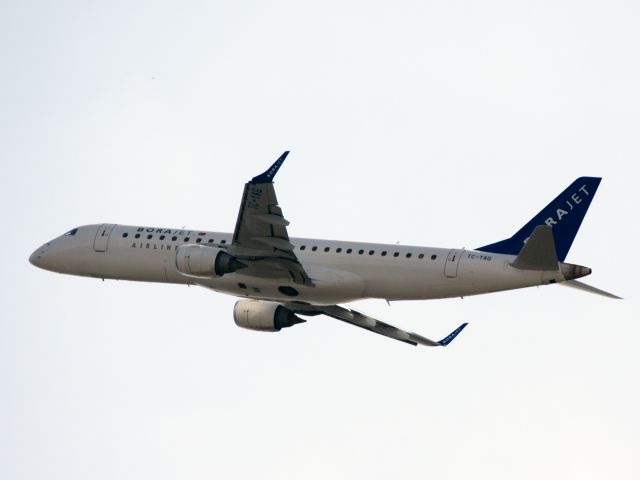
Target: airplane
{"type": "Point", "coordinates": [281, 279]}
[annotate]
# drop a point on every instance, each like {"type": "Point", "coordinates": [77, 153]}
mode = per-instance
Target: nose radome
{"type": "Point", "coordinates": [36, 258]}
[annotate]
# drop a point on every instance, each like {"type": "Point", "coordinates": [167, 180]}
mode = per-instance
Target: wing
{"type": "Point", "coordinates": [373, 325]}
{"type": "Point", "coordinates": [260, 238]}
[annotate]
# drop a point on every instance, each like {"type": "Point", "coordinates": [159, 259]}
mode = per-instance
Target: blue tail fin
{"type": "Point", "coordinates": [565, 214]}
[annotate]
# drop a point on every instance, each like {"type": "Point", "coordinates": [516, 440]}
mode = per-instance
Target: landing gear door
{"type": "Point", "coordinates": [102, 237]}
{"type": "Point", "coordinates": [451, 265]}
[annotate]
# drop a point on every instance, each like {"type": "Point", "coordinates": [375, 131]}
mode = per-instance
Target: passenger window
{"type": "Point", "coordinates": [161, 237]}
{"type": "Point", "coordinates": [314, 248]}
{"type": "Point", "coordinates": [173, 239]}
{"type": "Point", "coordinates": [186, 239]}
{"type": "Point", "coordinates": [360, 252]}
{"type": "Point", "coordinates": [349, 250]}
{"type": "Point", "coordinates": [326, 249]}
{"type": "Point", "coordinates": [384, 253]}
{"type": "Point", "coordinates": [338, 250]}
{"type": "Point", "coordinates": [137, 235]}
{"type": "Point", "coordinates": [408, 255]}
{"type": "Point", "coordinates": [125, 235]}
{"type": "Point", "coordinates": [303, 247]}
{"type": "Point", "coordinates": [198, 240]}
{"type": "Point", "coordinates": [223, 242]}
{"type": "Point", "coordinates": [149, 237]}
{"type": "Point", "coordinates": [210, 240]}
{"type": "Point", "coordinates": [433, 257]}
{"type": "Point", "coordinates": [371, 252]}
{"type": "Point", "coordinates": [395, 254]}
{"type": "Point", "coordinates": [421, 255]}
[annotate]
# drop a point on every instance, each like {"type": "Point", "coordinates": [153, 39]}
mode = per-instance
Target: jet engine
{"type": "Point", "coordinates": [204, 261]}
{"type": "Point", "coordinates": [263, 315]}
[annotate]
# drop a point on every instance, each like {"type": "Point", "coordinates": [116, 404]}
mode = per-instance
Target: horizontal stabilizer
{"type": "Point", "coordinates": [588, 288]}
{"type": "Point", "coordinates": [539, 251]}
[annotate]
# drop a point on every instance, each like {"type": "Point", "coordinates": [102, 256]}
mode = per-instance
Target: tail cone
{"type": "Point", "coordinates": [571, 271]}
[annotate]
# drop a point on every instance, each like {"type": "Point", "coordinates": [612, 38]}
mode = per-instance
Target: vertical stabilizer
{"type": "Point", "coordinates": [564, 215]}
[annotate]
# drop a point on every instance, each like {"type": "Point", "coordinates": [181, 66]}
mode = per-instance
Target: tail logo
{"type": "Point", "coordinates": [575, 200]}
{"type": "Point", "coordinates": [564, 214]}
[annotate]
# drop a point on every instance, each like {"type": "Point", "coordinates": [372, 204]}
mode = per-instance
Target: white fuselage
{"type": "Point", "coordinates": [341, 271]}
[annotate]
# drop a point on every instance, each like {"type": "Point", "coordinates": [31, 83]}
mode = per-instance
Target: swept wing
{"type": "Point", "coordinates": [260, 238]}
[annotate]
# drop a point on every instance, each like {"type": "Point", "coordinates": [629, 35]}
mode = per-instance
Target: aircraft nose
{"type": "Point", "coordinates": [38, 256]}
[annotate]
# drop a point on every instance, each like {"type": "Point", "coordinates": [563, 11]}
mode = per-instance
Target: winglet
{"type": "Point", "coordinates": [449, 338]}
{"type": "Point", "coordinates": [270, 173]}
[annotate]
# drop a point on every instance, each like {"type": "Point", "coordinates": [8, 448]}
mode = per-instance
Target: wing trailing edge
{"type": "Point", "coordinates": [366, 322]}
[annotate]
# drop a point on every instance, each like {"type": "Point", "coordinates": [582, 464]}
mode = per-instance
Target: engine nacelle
{"type": "Point", "coordinates": [263, 315]}
{"type": "Point", "coordinates": [204, 261]}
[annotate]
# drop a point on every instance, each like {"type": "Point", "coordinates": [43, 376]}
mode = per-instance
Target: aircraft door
{"type": "Point", "coordinates": [451, 265]}
{"type": "Point", "coordinates": [102, 237]}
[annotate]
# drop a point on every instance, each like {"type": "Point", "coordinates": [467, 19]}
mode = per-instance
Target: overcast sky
{"type": "Point", "coordinates": [445, 124]}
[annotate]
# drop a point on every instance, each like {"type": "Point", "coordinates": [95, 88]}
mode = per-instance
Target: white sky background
{"type": "Point", "coordinates": [446, 124]}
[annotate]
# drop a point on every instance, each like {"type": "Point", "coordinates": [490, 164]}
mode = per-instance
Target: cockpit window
{"type": "Point", "coordinates": [71, 233]}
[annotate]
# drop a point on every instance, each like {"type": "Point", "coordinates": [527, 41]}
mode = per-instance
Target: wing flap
{"type": "Point", "coordinates": [275, 242]}
{"type": "Point", "coordinates": [269, 219]}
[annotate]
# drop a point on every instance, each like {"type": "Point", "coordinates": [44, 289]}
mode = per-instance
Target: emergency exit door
{"type": "Point", "coordinates": [452, 263]}
{"type": "Point", "coordinates": [102, 237]}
